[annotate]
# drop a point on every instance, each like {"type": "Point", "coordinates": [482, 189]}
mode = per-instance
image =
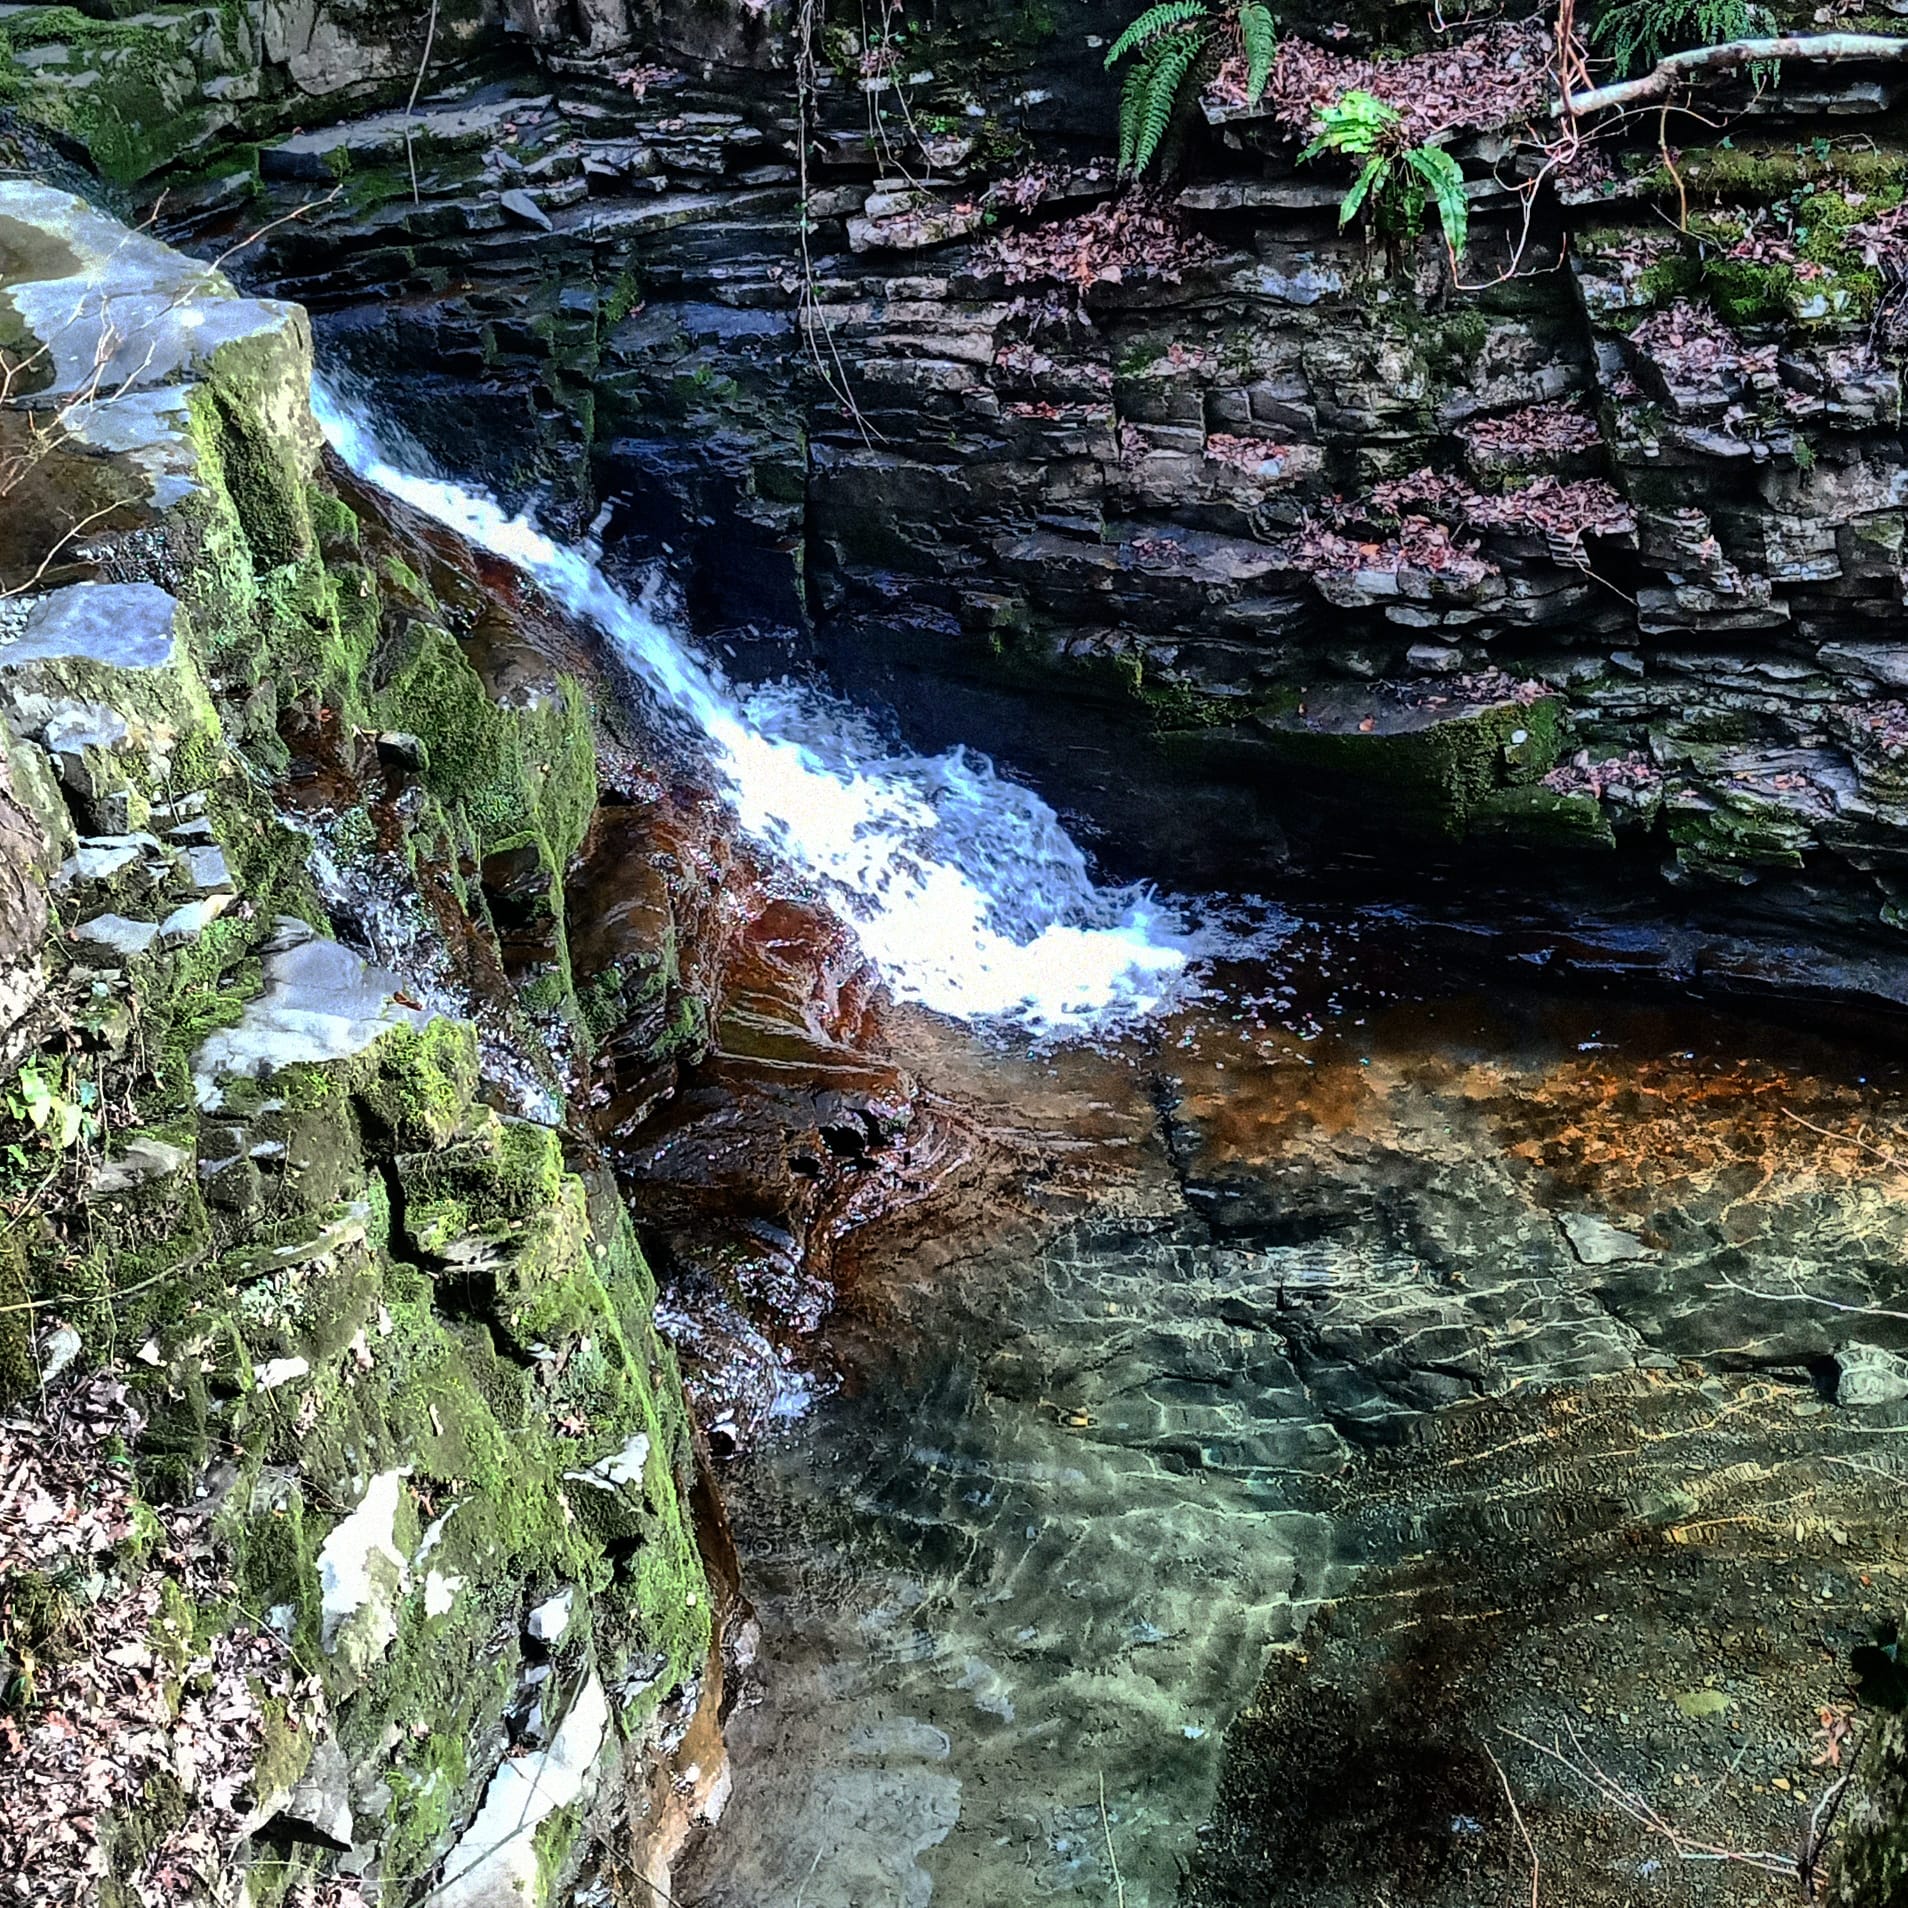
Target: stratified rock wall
{"type": "Point", "coordinates": [1249, 536]}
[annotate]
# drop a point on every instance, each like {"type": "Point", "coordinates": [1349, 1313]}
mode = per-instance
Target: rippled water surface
{"type": "Point", "coordinates": [1269, 1337]}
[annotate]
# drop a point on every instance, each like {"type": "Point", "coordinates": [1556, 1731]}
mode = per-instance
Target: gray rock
{"type": "Point", "coordinates": [521, 206]}
{"type": "Point", "coordinates": [188, 922]}
{"type": "Point", "coordinates": [123, 625]}
{"type": "Point", "coordinates": [1870, 1375]}
{"type": "Point", "coordinates": [142, 1161]}
{"type": "Point", "coordinates": [117, 932]}
{"type": "Point", "coordinates": [58, 1350]}
{"type": "Point", "coordinates": [321, 1002]}
{"type": "Point", "coordinates": [83, 725]}
{"type": "Point", "coordinates": [401, 750]}
{"type": "Point", "coordinates": [1597, 1242]}
{"type": "Point", "coordinates": [549, 1621]}
{"type": "Point", "coordinates": [494, 1864]}
{"type": "Point", "coordinates": [100, 857]}
{"type": "Point", "coordinates": [319, 1808]}
{"type": "Point", "coordinates": [208, 871]}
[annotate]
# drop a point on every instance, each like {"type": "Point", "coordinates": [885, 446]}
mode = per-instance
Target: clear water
{"type": "Point", "coordinates": [964, 887]}
{"type": "Point", "coordinates": [1305, 1328]}
{"type": "Point", "coordinates": [1297, 1315]}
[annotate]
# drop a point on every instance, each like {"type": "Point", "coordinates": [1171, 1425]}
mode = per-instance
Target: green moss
{"type": "Point", "coordinates": [415, 1085]}
{"type": "Point", "coordinates": [1538, 817]}
{"type": "Point", "coordinates": [1430, 779]}
{"type": "Point", "coordinates": [284, 1750]}
{"type": "Point", "coordinates": [131, 119]}
{"type": "Point", "coordinates": [503, 768]}
{"type": "Point", "coordinates": [19, 1370]}
{"type": "Point", "coordinates": [1734, 838]}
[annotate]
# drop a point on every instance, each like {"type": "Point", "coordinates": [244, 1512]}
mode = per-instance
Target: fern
{"type": "Point", "coordinates": [1168, 70]}
{"type": "Point", "coordinates": [1354, 125]}
{"type": "Point", "coordinates": [1395, 178]}
{"type": "Point", "coordinates": [1638, 33]}
{"type": "Point", "coordinates": [1174, 46]}
{"type": "Point", "coordinates": [1153, 22]}
{"type": "Point", "coordinates": [1259, 38]}
{"type": "Point", "coordinates": [1445, 177]}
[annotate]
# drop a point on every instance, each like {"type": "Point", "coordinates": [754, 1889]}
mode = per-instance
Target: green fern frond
{"type": "Point", "coordinates": [1132, 103]}
{"type": "Point", "coordinates": [1377, 169]}
{"type": "Point", "coordinates": [1355, 125]}
{"type": "Point", "coordinates": [1259, 38]}
{"type": "Point", "coordinates": [1166, 74]}
{"type": "Point", "coordinates": [1638, 33]}
{"type": "Point", "coordinates": [1445, 177]}
{"type": "Point", "coordinates": [1152, 23]}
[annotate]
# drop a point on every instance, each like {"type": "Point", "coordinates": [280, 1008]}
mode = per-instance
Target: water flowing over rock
{"type": "Point", "coordinates": [624, 1134]}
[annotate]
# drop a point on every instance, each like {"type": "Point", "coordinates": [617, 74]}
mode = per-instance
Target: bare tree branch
{"type": "Point", "coordinates": [1682, 69]}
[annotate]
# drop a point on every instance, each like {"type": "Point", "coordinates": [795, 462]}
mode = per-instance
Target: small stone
{"type": "Point", "coordinates": [520, 205]}
{"type": "Point", "coordinates": [440, 1593]}
{"type": "Point", "coordinates": [208, 871]}
{"type": "Point", "coordinates": [319, 1808]}
{"type": "Point", "coordinates": [399, 749]}
{"type": "Point", "coordinates": [280, 1371]}
{"type": "Point", "coordinates": [548, 1622]}
{"type": "Point", "coordinates": [187, 923]}
{"type": "Point", "coordinates": [1597, 1242]}
{"type": "Point", "coordinates": [61, 1347]}
{"type": "Point", "coordinates": [142, 1161]}
{"type": "Point", "coordinates": [618, 1469]}
{"type": "Point", "coordinates": [1869, 1375]}
{"type": "Point", "coordinates": [101, 857]}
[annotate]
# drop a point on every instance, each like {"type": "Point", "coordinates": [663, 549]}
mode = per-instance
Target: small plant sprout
{"type": "Point", "coordinates": [60, 1110]}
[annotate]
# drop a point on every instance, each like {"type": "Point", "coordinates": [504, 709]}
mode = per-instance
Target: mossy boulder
{"type": "Point", "coordinates": [1425, 770]}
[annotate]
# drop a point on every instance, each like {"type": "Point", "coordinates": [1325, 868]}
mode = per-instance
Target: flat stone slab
{"type": "Point", "coordinates": [309, 155]}
{"type": "Point", "coordinates": [119, 934]}
{"type": "Point", "coordinates": [1597, 1242]}
{"type": "Point", "coordinates": [142, 1161]}
{"type": "Point", "coordinates": [116, 310]}
{"type": "Point", "coordinates": [104, 665]}
{"type": "Point", "coordinates": [121, 625]}
{"type": "Point", "coordinates": [494, 1865]}
{"type": "Point", "coordinates": [321, 1002]}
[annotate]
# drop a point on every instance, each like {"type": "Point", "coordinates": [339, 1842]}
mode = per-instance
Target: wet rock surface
{"type": "Point", "coordinates": [1128, 491]}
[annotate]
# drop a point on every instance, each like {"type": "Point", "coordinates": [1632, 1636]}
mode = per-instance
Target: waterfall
{"type": "Point", "coordinates": [965, 889]}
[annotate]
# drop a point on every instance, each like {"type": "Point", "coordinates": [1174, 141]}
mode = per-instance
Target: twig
{"type": "Point", "coordinates": [1847, 1139]}
{"type": "Point", "coordinates": [1681, 69]}
{"type": "Point", "coordinates": [1106, 1829]}
{"type": "Point", "coordinates": [1645, 1815]}
{"type": "Point", "coordinates": [1799, 1297]}
{"type": "Point", "coordinates": [1517, 1816]}
{"type": "Point", "coordinates": [410, 105]}
{"type": "Point", "coordinates": [46, 562]}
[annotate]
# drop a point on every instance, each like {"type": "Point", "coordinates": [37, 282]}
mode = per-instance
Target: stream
{"type": "Point", "coordinates": [1359, 1417]}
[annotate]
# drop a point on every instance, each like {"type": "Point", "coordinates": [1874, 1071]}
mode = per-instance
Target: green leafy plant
{"type": "Point", "coordinates": [1637, 33]}
{"type": "Point", "coordinates": [60, 1110]}
{"type": "Point", "coordinates": [1176, 48]}
{"type": "Point", "coordinates": [1397, 176]}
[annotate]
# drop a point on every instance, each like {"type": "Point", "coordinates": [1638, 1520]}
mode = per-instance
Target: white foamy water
{"type": "Point", "coordinates": [964, 888]}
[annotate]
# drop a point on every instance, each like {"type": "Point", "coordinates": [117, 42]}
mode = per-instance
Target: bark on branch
{"type": "Point", "coordinates": [1682, 69]}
